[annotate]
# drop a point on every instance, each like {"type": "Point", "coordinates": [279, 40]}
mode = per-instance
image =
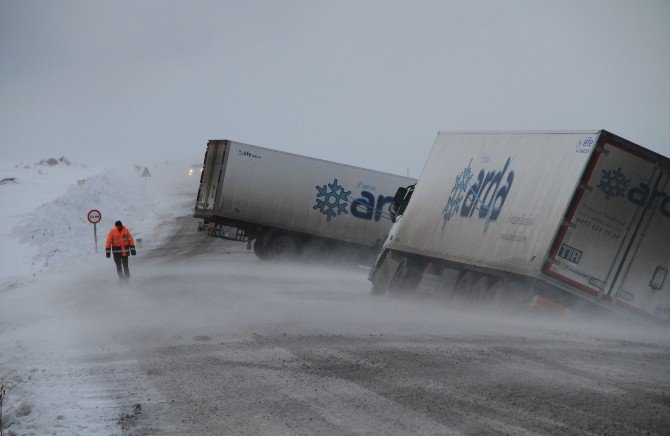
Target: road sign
{"type": "Point", "coordinates": [145, 174]}
{"type": "Point", "coordinates": [94, 216]}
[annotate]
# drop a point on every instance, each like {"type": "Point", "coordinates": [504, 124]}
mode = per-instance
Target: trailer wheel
{"type": "Point", "coordinates": [315, 250]}
{"type": "Point", "coordinates": [465, 286]}
{"type": "Point", "coordinates": [483, 288]}
{"type": "Point", "coordinates": [283, 246]}
{"type": "Point", "coordinates": [406, 277]}
{"type": "Point", "coordinates": [260, 249]}
{"type": "Point", "coordinates": [493, 291]}
{"type": "Point", "coordinates": [447, 282]}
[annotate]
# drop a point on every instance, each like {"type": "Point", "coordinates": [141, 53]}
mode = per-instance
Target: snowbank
{"type": "Point", "coordinates": [55, 233]}
{"type": "Point", "coordinates": [61, 231]}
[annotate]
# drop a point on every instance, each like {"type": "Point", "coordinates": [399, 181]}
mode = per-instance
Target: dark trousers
{"type": "Point", "coordinates": [122, 261]}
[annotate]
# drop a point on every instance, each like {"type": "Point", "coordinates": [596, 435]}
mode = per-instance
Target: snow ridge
{"type": "Point", "coordinates": [57, 234]}
{"type": "Point", "coordinates": [61, 231]}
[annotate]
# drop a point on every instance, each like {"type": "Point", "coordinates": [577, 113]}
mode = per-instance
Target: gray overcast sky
{"type": "Point", "coordinates": [364, 82]}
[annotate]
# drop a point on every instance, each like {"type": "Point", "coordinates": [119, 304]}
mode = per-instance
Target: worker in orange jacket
{"type": "Point", "coordinates": [120, 243]}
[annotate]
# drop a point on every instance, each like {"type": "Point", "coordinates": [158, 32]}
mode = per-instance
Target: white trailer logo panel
{"type": "Point", "coordinates": [617, 244]}
{"type": "Point", "coordinates": [485, 207]}
{"type": "Point", "coordinates": [301, 194]}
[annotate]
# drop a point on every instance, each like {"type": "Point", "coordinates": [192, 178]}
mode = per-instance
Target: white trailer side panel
{"type": "Point", "coordinates": [307, 195]}
{"type": "Point", "coordinates": [494, 200]}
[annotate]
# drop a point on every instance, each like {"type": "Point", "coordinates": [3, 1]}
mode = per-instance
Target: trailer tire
{"type": "Point", "coordinates": [447, 282]}
{"type": "Point", "coordinates": [482, 289]}
{"type": "Point", "coordinates": [315, 250]}
{"type": "Point", "coordinates": [504, 296]}
{"type": "Point", "coordinates": [260, 249]}
{"type": "Point", "coordinates": [407, 276]}
{"type": "Point", "coordinates": [465, 285]}
{"type": "Point", "coordinates": [283, 247]}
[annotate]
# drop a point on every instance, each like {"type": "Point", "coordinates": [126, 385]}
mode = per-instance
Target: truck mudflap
{"type": "Point", "coordinates": [614, 244]}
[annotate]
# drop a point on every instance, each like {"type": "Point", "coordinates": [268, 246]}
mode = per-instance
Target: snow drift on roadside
{"type": "Point", "coordinates": [62, 232]}
{"type": "Point", "coordinates": [58, 235]}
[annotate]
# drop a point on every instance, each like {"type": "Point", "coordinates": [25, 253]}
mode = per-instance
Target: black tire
{"type": "Point", "coordinates": [509, 293]}
{"type": "Point", "coordinates": [260, 249]}
{"type": "Point", "coordinates": [283, 247]}
{"type": "Point", "coordinates": [446, 284]}
{"type": "Point", "coordinates": [466, 284]}
{"type": "Point", "coordinates": [406, 277]}
{"type": "Point", "coordinates": [494, 290]}
{"type": "Point", "coordinates": [482, 288]}
{"type": "Point", "coordinates": [316, 250]}
{"type": "Point", "coordinates": [476, 287]}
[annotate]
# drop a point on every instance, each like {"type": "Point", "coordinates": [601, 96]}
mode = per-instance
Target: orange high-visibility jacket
{"type": "Point", "coordinates": [120, 242]}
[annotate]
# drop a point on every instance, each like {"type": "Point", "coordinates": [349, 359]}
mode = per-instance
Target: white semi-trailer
{"type": "Point", "coordinates": [290, 205]}
{"type": "Point", "coordinates": [560, 214]}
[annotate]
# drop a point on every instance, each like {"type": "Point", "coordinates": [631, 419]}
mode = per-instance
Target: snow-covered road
{"type": "Point", "coordinates": [207, 339]}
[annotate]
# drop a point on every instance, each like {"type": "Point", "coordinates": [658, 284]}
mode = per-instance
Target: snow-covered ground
{"type": "Point", "coordinates": [25, 187]}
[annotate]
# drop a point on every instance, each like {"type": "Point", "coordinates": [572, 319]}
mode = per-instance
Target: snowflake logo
{"type": "Point", "coordinates": [613, 183]}
{"type": "Point", "coordinates": [334, 201]}
{"type": "Point", "coordinates": [457, 192]}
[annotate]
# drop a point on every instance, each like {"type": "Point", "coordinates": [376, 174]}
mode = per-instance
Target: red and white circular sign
{"type": "Point", "coordinates": [94, 216]}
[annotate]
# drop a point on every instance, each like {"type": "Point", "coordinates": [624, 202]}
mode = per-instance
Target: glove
{"type": "Point", "coordinates": [132, 251]}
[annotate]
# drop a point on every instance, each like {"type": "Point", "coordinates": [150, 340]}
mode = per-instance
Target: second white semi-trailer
{"type": "Point", "coordinates": [561, 214]}
{"type": "Point", "coordinates": [289, 206]}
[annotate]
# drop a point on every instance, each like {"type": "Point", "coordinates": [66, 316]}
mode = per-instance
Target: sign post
{"type": "Point", "coordinates": [94, 216]}
{"type": "Point", "coordinates": [145, 174]}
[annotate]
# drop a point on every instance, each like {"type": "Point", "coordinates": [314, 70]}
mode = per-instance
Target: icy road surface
{"type": "Point", "coordinates": [208, 340]}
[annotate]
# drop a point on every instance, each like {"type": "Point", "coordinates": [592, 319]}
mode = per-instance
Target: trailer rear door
{"type": "Point", "coordinates": [642, 278]}
{"type": "Point", "coordinates": [606, 245]}
{"type": "Point", "coordinates": [209, 179]}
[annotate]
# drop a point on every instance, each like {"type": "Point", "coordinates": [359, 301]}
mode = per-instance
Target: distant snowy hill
{"type": "Point", "coordinates": [45, 206]}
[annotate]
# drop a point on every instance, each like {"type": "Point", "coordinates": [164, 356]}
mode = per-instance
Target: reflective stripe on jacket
{"type": "Point", "coordinates": [120, 242]}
